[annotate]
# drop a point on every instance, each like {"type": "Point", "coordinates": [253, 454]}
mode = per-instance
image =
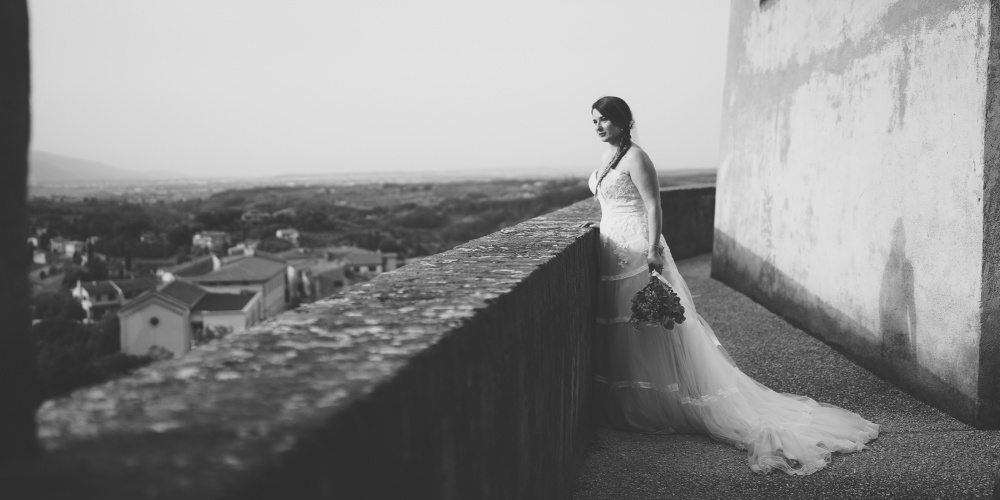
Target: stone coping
{"type": "Point", "coordinates": [232, 406]}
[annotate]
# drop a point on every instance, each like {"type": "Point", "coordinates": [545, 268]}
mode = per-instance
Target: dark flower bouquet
{"type": "Point", "coordinates": [656, 304]}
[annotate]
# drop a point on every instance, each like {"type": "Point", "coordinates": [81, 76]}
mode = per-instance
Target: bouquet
{"type": "Point", "coordinates": [656, 304]}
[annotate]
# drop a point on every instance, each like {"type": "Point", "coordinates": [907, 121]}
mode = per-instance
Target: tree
{"type": "Point", "coordinates": [57, 305]}
{"type": "Point", "coordinates": [274, 245]}
{"type": "Point", "coordinates": [71, 355]}
{"type": "Point", "coordinates": [97, 269]}
{"type": "Point", "coordinates": [44, 241]}
{"type": "Point", "coordinates": [180, 235]}
{"type": "Point", "coordinates": [105, 336]}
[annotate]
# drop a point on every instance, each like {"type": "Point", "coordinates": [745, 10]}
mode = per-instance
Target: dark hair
{"type": "Point", "coordinates": [616, 110]}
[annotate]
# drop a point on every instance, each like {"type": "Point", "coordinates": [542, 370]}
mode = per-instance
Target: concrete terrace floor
{"type": "Point", "coordinates": [920, 453]}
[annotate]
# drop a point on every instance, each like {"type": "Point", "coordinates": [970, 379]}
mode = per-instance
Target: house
{"type": "Point", "coordinates": [215, 241]}
{"type": "Point", "coordinates": [100, 297]}
{"type": "Point", "coordinates": [97, 297]}
{"type": "Point", "coordinates": [361, 261]}
{"type": "Point", "coordinates": [132, 288]}
{"type": "Point", "coordinates": [170, 316]}
{"type": "Point", "coordinates": [289, 234]}
{"type": "Point", "coordinates": [151, 237]}
{"type": "Point", "coordinates": [254, 215]}
{"type": "Point", "coordinates": [73, 247]}
{"type": "Point", "coordinates": [245, 248]}
{"type": "Point", "coordinates": [286, 212]}
{"type": "Point", "coordinates": [85, 258]}
{"type": "Point", "coordinates": [321, 280]}
{"type": "Point", "coordinates": [57, 245]}
{"type": "Point", "coordinates": [250, 274]}
{"type": "Point", "coordinates": [67, 247]}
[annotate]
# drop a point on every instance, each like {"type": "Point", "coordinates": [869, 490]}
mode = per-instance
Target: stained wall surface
{"type": "Point", "coordinates": [851, 185]}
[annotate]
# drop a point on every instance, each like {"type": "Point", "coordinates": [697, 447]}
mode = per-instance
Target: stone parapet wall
{"type": "Point", "coordinates": [688, 219]}
{"type": "Point", "coordinates": [464, 375]}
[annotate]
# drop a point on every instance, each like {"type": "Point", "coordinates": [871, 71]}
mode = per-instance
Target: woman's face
{"type": "Point", "coordinates": [607, 131]}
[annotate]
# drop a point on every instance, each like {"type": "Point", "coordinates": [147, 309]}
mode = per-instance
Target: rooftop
{"type": "Point", "coordinates": [251, 268]}
{"type": "Point", "coordinates": [103, 286]}
{"type": "Point", "coordinates": [218, 302]}
{"type": "Point", "coordinates": [186, 292]}
{"type": "Point", "coordinates": [132, 287]}
{"type": "Point", "coordinates": [327, 269]}
{"type": "Point", "coordinates": [356, 256]}
{"type": "Point", "coordinates": [202, 265]}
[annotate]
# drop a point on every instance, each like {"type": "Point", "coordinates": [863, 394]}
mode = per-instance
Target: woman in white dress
{"type": "Point", "coordinates": [682, 380]}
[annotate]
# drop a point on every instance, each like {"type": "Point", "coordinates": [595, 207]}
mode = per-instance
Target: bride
{"type": "Point", "coordinates": [682, 380]}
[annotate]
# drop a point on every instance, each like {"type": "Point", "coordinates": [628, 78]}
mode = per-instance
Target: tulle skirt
{"type": "Point", "coordinates": [683, 381]}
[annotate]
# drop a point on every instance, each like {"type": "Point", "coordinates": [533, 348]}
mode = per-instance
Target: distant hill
{"type": "Point", "coordinates": [48, 168]}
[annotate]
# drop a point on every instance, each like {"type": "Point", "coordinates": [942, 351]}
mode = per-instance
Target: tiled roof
{"type": "Point", "coordinates": [184, 291]}
{"type": "Point", "coordinates": [328, 270]}
{"type": "Point", "coordinates": [132, 287]}
{"type": "Point", "coordinates": [356, 256]}
{"type": "Point", "coordinates": [247, 269]}
{"type": "Point", "coordinates": [195, 267]}
{"type": "Point", "coordinates": [229, 259]}
{"type": "Point", "coordinates": [364, 259]}
{"type": "Point", "coordinates": [148, 296]}
{"type": "Point", "coordinates": [269, 256]}
{"type": "Point", "coordinates": [223, 301]}
{"type": "Point", "coordinates": [307, 264]}
{"type": "Point", "coordinates": [103, 286]}
{"type": "Point", "coordinates": [303, 254]}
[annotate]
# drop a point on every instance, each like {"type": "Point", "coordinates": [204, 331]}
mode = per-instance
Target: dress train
{"type": "Point", "coordinates": [683, 380]}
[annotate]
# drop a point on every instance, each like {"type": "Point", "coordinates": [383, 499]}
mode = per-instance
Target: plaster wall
{"type": "Point", "coordinates": [272, 301]}
{"type": "Point", "coordinates": [850, 190]}
{"type": "Point", "coordinates": [172, 332]}
{"type": "Point", "coordinates": [235, 321]}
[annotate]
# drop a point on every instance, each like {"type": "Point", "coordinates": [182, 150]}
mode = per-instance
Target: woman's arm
{"type": "Point", "coordinates": [640, 169]}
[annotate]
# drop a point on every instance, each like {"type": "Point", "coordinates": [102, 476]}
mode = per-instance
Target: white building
{"type": "Point", "coordinates": [170, 316]}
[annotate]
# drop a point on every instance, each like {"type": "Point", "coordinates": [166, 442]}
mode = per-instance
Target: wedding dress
{"type": "Point", "coordinates": [682, 380]}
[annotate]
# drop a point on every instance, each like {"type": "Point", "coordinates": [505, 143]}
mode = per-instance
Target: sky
{"type": "Point", "coordinates": [260, 87]}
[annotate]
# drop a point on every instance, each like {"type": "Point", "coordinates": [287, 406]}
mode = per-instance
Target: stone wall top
{"type": "Point", "coordinates": [232, 405]}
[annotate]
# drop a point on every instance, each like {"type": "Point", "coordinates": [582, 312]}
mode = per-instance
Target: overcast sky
{"type": "Point", "coordinates": [261, 87]}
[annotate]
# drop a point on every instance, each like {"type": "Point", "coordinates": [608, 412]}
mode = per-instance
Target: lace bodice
{"type": "Point", "coordinates": [618, 195]}
{"type": "Point", "coordinates": [623, 217]}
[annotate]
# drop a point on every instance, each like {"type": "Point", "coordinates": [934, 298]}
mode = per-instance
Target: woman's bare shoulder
{"type": "Point", "coordinates": [636, 160]}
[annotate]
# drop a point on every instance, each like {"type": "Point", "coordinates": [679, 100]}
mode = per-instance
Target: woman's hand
{"type": "Point", "coordinates": [589, 224]}
{"type": "Point", "coordinates": [655, 261]}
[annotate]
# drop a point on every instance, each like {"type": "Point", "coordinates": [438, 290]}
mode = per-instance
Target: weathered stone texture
{"type": "Point", "coordinates": [855, 194]}
{"type": "Point", "coordinates": [464, 375]}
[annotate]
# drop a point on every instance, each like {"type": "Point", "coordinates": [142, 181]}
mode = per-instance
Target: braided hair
{"type": "Point", "coordinates": [617, 111]}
